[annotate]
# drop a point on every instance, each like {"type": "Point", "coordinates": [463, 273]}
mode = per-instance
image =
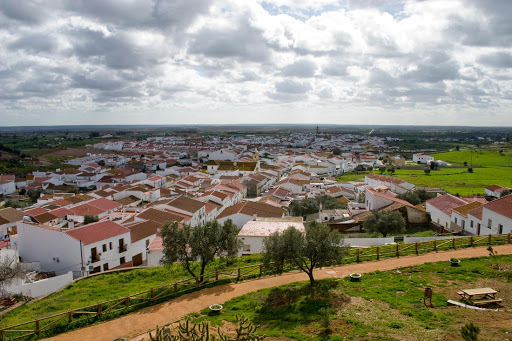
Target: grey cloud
{"type": "Point", "coordinates": [497, 60]}
{"type": "Point", "coordinates": [289, 86]}
{"type": "Point", "coordinates": [97, 81]}
{"type": "Point", "coordinates": [300, 68]}
{"type": "Point", "coordinates": [26, 11]}
{"type": "Point", "coordinates": [335, 69]}
{"type": "Point", "coordinates": [436, 67]}
{"type": "Point", "coordinates": [380, 78]}
{"type": "Point", "coordinates": [35, 43]}
{"type": "Point", "coordinates": [241, 41]}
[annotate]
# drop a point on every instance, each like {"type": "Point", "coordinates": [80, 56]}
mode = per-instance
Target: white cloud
{"type": "Point", "coordinates": [277, 61]}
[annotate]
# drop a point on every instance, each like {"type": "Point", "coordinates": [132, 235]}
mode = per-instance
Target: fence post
{"type": "Point", "coordinates": [453, 243]}
{"type": "Point", "coordinates": [216, 275]}
{"type": "Point", "coordinates": [435, 245]}
{"type": "Point", "coordinates": [397, 252]}
{"type": "Point", "coordinates": [175, 287]}
{"type": "Point", "coordinates": [261, 269]}
{"type": "Point", "coordinates": [416, 246]}
{"type": "Point", "coordinates": [378, 256]}
{"type": "Point", "coordinates": [2, 335]}
{"type": "Point", "coordinates": [99, 309]}
{"type": "Point", "coordinates": [238, 277]}
{"type": "Point", "coordinates": [490, 236]}
{"type": "Point", "coordinates": [37, 327]}
{"type": "Point", "coordinates": [127, 301]}
{"type": "Point", "coordinates": [508, 240]}
{"type": "Point", "coordinates": [70, 317]}
{"type": "Point", "coordinates": [357, 251]}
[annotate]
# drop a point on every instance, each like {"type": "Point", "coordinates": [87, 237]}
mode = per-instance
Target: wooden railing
{"type": "Point", "coordinates": [159, 294]}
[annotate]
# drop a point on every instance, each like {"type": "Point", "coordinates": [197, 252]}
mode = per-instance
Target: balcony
{"type": "Point", "coordinates": [123, 248]}
{"type": "Point", "coordinates": [95, 258]}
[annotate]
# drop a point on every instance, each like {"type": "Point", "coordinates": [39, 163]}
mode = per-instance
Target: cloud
{"type": "Point", "coordinates": [208, 59]}
{"type": "Point", "coordinates": [300, 68]}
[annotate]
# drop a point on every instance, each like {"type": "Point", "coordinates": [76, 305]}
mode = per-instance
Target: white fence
{"type": "Point", "coordinates": [368, 241]}
{"type": "Point", "coordinates": [428, 239]}
{"type": "Point", "coordinates": [38, 288]}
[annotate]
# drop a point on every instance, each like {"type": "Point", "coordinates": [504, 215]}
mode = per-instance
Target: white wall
{"type": "Point", "coordinates": [438, 216]}
{"type": "Point", "coordinates": [41, 287]}
{"type": "Point", "coordinates": [154, 258]}
{"type": "Point", "coordinates": [256, 245]}
{"type": "Point", "coordinates": [368, 241]}
{"type": "Point", "coordinates": [496, 219]}
{"type": "Point", "coordinates": [43, 245]}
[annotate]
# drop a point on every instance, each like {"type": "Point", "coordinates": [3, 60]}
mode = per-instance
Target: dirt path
{"type": "Point", "coordinates": [137, 323]}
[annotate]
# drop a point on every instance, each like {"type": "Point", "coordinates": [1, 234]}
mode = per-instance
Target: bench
{"type": "Point", "coordinates": [460, 293]}
{"type": "Point", "coordinates": [489, 301]}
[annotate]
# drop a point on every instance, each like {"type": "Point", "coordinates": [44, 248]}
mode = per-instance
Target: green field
{"type": "Point", "coordinates": [459, 180]}
{"type": "Point", "coordinates": [478, 158]}
{"type": "Point", "coordinates": [105, 287]}
{"type": "Point", "coordinates": [383, 306]}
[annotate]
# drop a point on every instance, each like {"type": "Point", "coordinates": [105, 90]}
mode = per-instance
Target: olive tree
{"type": "Point", "coordinates": [188, 245]}
{"type": "Point", "coordinates": [317, 246]}
{"type": "Point", "coordinates": [385, 222]}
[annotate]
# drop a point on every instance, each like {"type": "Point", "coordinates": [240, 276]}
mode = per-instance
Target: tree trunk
{"type": "Point", "coordinates": [201, 275]}
{"type": "Point", "coordinates": [310, 275]}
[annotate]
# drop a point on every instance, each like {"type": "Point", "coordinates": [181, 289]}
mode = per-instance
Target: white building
{"type": "Point", "coordinates": [422, 158]}
{"type": "Point", "coordinates": [254, 232]}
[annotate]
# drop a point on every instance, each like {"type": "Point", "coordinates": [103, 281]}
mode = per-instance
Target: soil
{"type": "Point", "coordinates": [135, 326]}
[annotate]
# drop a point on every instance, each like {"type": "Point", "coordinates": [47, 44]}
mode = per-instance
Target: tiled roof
{"type": "Point", "coordinates": [95, 232]}
{"type": "Point", "coordinates": [446, 202]}
{"type": "Point", "coordinates": [85, 209]}
{"type": "Point", "coordinates": [502, 206]}
{"type": "Point", "coordinates": [382, 195]}
{"type": "Point", "coordinates": [11, 214]}
{"type": "Point", "coordinates": [257, 228]}
{"type": "Point", "coordinates": [104, 204]}
{"type": "Point", "coordinates": [186, 204]}
{"type": "Point", "coordinates": [464, 209]}
{"type": "Point", "coordinates": [44, 217]}
{"type": "Point", "coordinates": [477, 212]}
{"type": "Point", "coordinates": [35, 211]}
{"type": "Point", "coordinates": [159, 216]}
{"type": "Point", "coordinates": [496, 188]}
{"type": "Point", "coordinates": [61, 212]}
{"type": "Point", "coordinates": [251, 208]}
{"type": "Point", "coordinates": [143, 229]}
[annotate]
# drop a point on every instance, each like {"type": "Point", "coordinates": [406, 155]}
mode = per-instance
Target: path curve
{"type": "Point", "coordinates": [139, 322]}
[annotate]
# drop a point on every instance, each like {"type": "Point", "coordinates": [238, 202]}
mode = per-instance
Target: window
{"type": "Point", "coordinates": [110, 245]}
{"type": "Point", "coordinates": [463, 224]}
{"type": "Point", "coordinates": [247, 247]}
{"type": "Point", "coordinates": [455, 220]}
{"type": "Point", "coordinates": [489, 223]}
{"type": "Point", "coordinates": [104, 247]}
{"type": "Point", "coordinates": [471, 223]}
{"type": "Point", "coordinates": [500, 229]}
{"type": "Point", "coordinates": [122, 260]}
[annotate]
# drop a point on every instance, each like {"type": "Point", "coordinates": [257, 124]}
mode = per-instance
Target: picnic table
{"type": "Point", "coordinates": [480, 296]}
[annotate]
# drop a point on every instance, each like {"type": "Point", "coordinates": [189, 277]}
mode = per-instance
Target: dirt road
{"type": "Point", "coordinates": [135, 324]}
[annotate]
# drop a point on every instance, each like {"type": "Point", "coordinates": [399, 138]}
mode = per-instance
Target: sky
{"type": "Point", "coordinates": [244, 62]}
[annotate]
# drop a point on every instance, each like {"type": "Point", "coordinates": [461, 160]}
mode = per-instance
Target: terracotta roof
{"type": "Point", "coordinates": [95, 232]}
{"type": "Point", "coordinates": [446, 202]}
{"type": "Point", "coordinates": [104, 204]}
{"type": "Point", "coordinates": [383, 178]}
{"type": "Point", "coordinates": [156, 244]}
{"type": "Point", "coordinates": [61, 212]}
{"type": "Point", "coordinates": [11, 214]}
{"type": "Point", "coordinates": [85, 209]}
{"type": "Point", "coordinates": [186, 204]}
{"type": "Point", "coordinates": [44, 217]}
{"type": "Point", "coordinates": [382, 195]}
{"type": "Point", "coordinates": [61, 202]}
{"type": "Point", "coordinates": [127, 200]}
{"type": "Point", "coordinates": [251, 208]}
{"type": "Point", "coordinates": [143, 229]}
{"type": "Point", "coordinates": [103, 193]}
{"type": "Point", "coordinates": [502, 206]}
{"type": "Point", "coordinates": [464, 209]}
{"type": "Point", "coordinates": [159, 216]}
{"type": "Point", "coordinates": [496, 188]}
{"type": "Point", "coordinates": [477, 212]}
{"type": "Point", "coordinates": [35, 211]}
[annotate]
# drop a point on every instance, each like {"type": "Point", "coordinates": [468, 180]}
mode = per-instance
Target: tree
{"type": "Point", "coordinates": [465, 163]}
{"type": "Point", "coordinates": [301, 208]}
{"type": "Point", "coordinates": [470, 332]}
{"type": "Point", "coordinates": [385, 222]}
{"type": "Point", "coordinates": [417, 196]}
{"type": "Point", "coordinates": [382, 169]}
{"type": "Point", "coordinates": [391, 169]}
{"type": "Point", "coordinates": [9, 270]}
{"type": "Point", "coordinates": [427, 171]}
{"type": "Point", "coordinates": [34, 194]}
{"type": "Point", "coordinates": [188, 244]}
{"type": "Point", "coordinates": [317, 246]}
{"type": "Point", "coordinates": [470, 170]}
{"type": "Point", "coordinates": [88, 219]}
{"type": "Point", "coordinates": [434, 165]}
{"type": "Point", "coordinates": [457, 147]}
{"type": "Point", "coordinates": [23, 191]}
{"type": "Point", "coordinates": [505, 192]}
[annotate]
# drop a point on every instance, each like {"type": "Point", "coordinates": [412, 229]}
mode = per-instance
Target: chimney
{"type": "Point", "coordinates": [254, 216]}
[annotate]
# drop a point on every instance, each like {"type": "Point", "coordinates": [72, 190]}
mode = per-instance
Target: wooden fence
{"type": "Point", "coordinates": [159, 294]}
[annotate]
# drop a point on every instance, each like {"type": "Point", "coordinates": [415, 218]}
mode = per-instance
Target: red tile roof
{"type": "Point", "coordinates": [96, 232]}
{"type": "Point", "coordinates": [445, 203]}
{"type": "Point", "coordinates": [104, 204]}
{"type": "Point", "coordinates": [85, 209]}
{"type": "Point", "coordinates": [502, 206]}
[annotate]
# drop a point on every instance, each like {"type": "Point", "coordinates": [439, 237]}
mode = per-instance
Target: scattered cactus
{"type": "Point", "coordinates": [189, 331]}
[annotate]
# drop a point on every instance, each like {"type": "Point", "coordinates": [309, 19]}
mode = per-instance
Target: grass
{"type": "Point", "coordinates": [478, 158]}
{"type": "Point", "coordinates": [105, 287]}
{"type": "Point", "coordinates": [383, 306]}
